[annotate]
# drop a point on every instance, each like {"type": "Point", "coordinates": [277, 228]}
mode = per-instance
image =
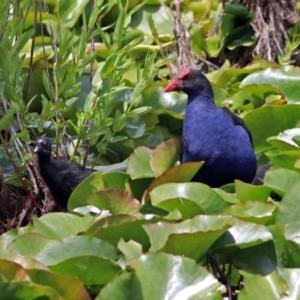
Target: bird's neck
{"type": "Point", "coordinates": [203, 99]}
{"type": "Point", "coordinates": [44, 159]}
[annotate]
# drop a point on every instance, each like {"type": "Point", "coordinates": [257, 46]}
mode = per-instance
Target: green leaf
{"type": "Point", "coordinates": [259, 287]}
{"type": "Point", "coordinates": [7, 119]}
{"type": "Point", "coordinates": [269, 121]}
{"type": "Point", "coordinates": [120, 26]}
{"type": "Point", "coordinates": [11, 271]}
{"type": "Point", "coordinates": [287, 81]}
{"type": "Point", "coordinates": [57, 226]}
{"type": "Point", "coordinates": [242, 235]}
{"type": "Point", "coordinates": [114, 179]}
{"type": "Point", "coordinates": [164, 102]}
{"type": "Point", "coordinates": [70, 11]}
{"type": "Point", "coordinates": [252, 211]}
{"type": "Point", "coordinates": [293, 282]}
{"type": "Point", "coordinates": [29, 244]}
{"type": "Point", "coordinates": [287, 136]}
{"type": "Point", "coordinates": [181, 173]}
{"type": "Point", "coordinates": [284, 159]}
{"type": "Point", "coordinates": [89, 269]}
{"type": "Point", "coordinates": [126, 286]}
{"type": "Point", "coordinates": [163, 268]}
{"type": "Point", "coordinates": [89, 185]}
{"type": "Point", "coordinates": [256, 259]}
{"type": "Point", "coordinates": [245, 191]}
{"type": "Point", "coordinates": [73, 247]}
{"type": "Point", "coordinates": [160, 17]}
{"type": "Point", "coordinates": [191, 238]}
{"type": "Point", "coordinates": [138, 165]}
{"type": "Point", "coordinates": [28, 291]}
{"type": "Point", "coordinates": [22, 40]}
{"type": "Point", "coordinates": [288, 214]}
{"type": "Point", "coordinates": [164, 156]}
{"type": "Point", "coordinates": [116, 227]}
{"type": "Point", "coordinates": [131, 249]}
{"type": "Point", "coordinates": [247, 232]}
{"type": "Point", "coordinates": [25, 262]}
{"type": "Point", "coordinates": [280, 180]}
{"type": "Point", "coordinates": [69, 288]}
{"type": "Point", "coordinates": [117, 201]}
{"type": "Point", "coordinates": [189, 199]}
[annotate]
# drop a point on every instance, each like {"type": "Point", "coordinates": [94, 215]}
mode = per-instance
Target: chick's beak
{"type": "Point", "coordinates": [174, 85]}
{"type": "Point", "coordinates": [36, 149]}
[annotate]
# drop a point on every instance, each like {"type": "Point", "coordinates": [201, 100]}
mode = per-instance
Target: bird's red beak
{"type": "Point", "coordinates": [174, 85]}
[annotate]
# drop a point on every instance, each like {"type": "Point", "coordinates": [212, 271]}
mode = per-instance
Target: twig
{"type": "Point", "coordinates": [183, 49]}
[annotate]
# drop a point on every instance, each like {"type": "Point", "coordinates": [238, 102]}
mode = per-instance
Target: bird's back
{"type": "Point", "coordinates": [62, 177]}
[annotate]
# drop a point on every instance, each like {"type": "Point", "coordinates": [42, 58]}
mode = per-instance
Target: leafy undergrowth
{"type": "Point", "coordinates": [173, 240]}
{"type": "Point", "coordinates": [147, 233]}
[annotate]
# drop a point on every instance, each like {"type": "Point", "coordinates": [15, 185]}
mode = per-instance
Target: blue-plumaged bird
{"type": "Point", "coordinates": [212, 134]}
{"type": "Point", "coordinates": [60, 176]}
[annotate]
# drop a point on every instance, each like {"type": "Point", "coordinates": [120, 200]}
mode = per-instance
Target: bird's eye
{"type": "Point", "coordinates": [188, 77]}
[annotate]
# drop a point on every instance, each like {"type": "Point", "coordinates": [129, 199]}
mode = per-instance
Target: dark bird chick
{"type": "Point", "coordinates": [60, 176]}
{"type": "Point", "coordinates": [212, 134]}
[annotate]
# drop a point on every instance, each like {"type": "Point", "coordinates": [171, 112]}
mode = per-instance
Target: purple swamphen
{"type": "Point", "coordinates": [60, 176]}
{"type": "Point", "coordinates": [212, 134]}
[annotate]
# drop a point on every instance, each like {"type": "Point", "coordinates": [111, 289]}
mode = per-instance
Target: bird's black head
{"type": "Point", "coordinates": [190, 81]}
{"type": "Point", "coordinates": [43, 147]}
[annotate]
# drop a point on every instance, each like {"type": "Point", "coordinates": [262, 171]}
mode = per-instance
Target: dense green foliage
{"type": "Point", "coordinates": [94, 74]}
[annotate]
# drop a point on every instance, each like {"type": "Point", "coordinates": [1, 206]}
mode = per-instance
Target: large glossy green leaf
{"type": "Point", "coordinates": [10, 271]}
{"type": "Point", "coordinates": [252, 211]}
{"type": "Point", "coordinates": [138, 165]}
{"type": "Point", "coordinates": [241, 236]}
{"type": "Point", "coordinates": [191, 238]}
{"type": "Point", "coordinates": [25, 262]}
{"type": "Point", "coordinates": [67, 287]}
{"type": "Point", "coordinates": [189, 199]}
{"type": "Point", "coordinates": [160, 16]}
{"type": "Point", "coordinates": [181, 173]}
{"type": "Point", "coordinates": [288, 214]}
{"type": "Point", "coordinates": [293, 282]}
{"type": "Point", "coordinates": [164, 156]}
{"type": "Point", "coordinates": [269, 121]}
{"type": "Point", "coordinates": [60, 225]}
{"type": "Point", "coordinates": [284, 159]}
{"type": "Point", "coordinates": [29, 244]}
{"type": "Point", "coordinates": [247, 232]}
{"type": "Point", "coordinates": [115, 180]}
{"type": "Point", "coordinates": [116, 227]}
{"type": "Point", "coordinates": [167, 103]}
{"type": "Point", "coordinates": [93, 183]}
{"type": "Point", "coordinates": [287, 81]}
{"type": "Point", "coordinates": [280, 180]}
{"type": "Point", "coordinates": [257, 259]}
{"type": "Point", "coordinates": [285, 139]}
{"type": "Point", "coordinates": [117, 201]}
{"type": "Point", "coordinates": [247, 192]}
{"type": "Point", "coordinates": [28, 290]}
{"type": "Point", "coordinates": [89, 269]}
{"type": "Point", "coordinates": [126, 287]}
{"type": "Point", "coordinates": [70, 11]}
{"type": "Point", "coordinates": [75, 246]}
{"type": "Point", "coordinates": [192, 280]}
{"type": "Point", "coordinates": [259, 287]}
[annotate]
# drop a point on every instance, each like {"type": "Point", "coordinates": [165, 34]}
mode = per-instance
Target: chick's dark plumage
{"type": "Point", "coordinates": [212, 134]}
{"type": "Point", "coordinates": [60, 176]}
